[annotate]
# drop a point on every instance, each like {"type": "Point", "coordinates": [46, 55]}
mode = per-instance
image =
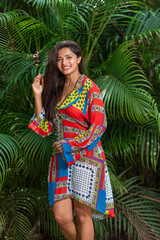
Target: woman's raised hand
{"type": "Point", "coordinates": [37, 85]}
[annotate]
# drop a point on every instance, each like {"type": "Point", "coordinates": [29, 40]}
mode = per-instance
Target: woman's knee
{"type": "Point", "coordinates": [62, 218]}
{"type": "Point", "coordinates": [82, 216]}
{"type": "Point", "coordinates": [63, 211]}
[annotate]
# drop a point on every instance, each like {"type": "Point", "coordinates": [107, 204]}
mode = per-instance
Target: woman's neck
{"type": "Point", "coordinates": [72, 79]}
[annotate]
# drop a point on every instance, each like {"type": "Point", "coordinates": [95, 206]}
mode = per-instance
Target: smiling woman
{"type": "Point", "coordinates": [78, 174]}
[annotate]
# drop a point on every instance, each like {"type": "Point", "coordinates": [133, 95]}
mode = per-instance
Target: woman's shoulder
{"type": "Point", "coordinates": [90, 84]}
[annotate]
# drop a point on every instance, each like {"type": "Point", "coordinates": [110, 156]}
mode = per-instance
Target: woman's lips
{"type": "Point", "coordinates": [65, 68]}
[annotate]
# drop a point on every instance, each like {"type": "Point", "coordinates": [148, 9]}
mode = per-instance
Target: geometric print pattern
{"type": "Point", "coordinates": [74, 130]}
{"type": "Point", "coordinates": [81, 179]}
{"type": "Point", "coordinates": [81, 171]}
{"type": "Point", "coordinates": [65, 117]}
{"type": "Point", "coordinates": [80, 104]}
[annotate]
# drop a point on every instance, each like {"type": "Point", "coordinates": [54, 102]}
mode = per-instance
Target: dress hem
{"type": "Point", "coordinates": [96, 213]}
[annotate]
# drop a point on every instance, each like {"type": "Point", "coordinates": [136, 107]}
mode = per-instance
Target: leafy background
{"type": "Point", "coordinates": [120, 42]}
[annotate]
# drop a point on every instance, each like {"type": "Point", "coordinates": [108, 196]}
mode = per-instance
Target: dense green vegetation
{"type": "Point", "coordinates": [121, 44]}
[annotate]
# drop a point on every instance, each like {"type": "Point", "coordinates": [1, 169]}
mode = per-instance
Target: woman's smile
{"type": "Point", "coordinates": [67, 61]}
{"type": "Point", "coordinates": [66, 68]}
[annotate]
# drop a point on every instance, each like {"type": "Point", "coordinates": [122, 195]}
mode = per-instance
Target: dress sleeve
{"type": "Point", "coordinates": [97, 125]}
{"type": "Point", "coordinates": [41, 125]}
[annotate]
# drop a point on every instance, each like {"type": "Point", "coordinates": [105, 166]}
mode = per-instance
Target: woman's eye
{"type": "Point", "coordinates": [58, 59]}
{"type": "Point", "coordinates": [69, 57]}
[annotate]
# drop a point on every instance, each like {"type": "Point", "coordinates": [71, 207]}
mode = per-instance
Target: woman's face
{"type": "Point", "coordinates": [67, 61]}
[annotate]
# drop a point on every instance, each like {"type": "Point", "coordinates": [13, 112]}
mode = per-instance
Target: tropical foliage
{"type": "Point", "coordinates": [120, 42]}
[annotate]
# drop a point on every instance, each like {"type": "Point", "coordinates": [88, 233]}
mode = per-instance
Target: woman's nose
{"type": "Point", "coordinates": [64, 61]}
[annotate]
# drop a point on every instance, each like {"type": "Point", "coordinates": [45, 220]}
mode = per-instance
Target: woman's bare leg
{"type": "Point", "coordinates": [63, 215]}
{"type": "Point", "coordinates": [84, 220]}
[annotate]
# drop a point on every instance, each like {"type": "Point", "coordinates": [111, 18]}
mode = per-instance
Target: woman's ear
{"type": "Point", "coordinates": [79, 59]}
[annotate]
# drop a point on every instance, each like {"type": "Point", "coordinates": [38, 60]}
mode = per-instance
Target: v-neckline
{"type": "Point", "coordinates": [73, 90]}
{"type": "Point", "coordinates": [68, 95]}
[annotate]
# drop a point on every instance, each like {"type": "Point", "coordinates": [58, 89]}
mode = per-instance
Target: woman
{"type": "Point", "coordinates": [78, 176]}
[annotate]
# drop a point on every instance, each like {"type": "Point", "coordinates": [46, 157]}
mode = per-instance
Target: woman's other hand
{"type": "Point", "coordinates": [58, 146]}
{"type": "Point", "coordinates": [37, 85]}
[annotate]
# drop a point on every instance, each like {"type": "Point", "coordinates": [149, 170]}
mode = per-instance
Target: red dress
{"type": "Point", "coordinates": [81, 171]}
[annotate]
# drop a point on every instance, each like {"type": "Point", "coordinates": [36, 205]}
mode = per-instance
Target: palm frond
{"type": "Point", "coordinates": [124, 140]}
{"type": "Point", "coordinates": [124, 87]}
{"type": "Point", "coordinates": [15, 65]}
{"type": "Point", "coordinates": [134, 214]}
{"type": "Point", "coordinates": [9, 149]}
{"type": "Point", "coordinates": [117, 182]}
{"type": "Point", "coordinates": [119, 140]}
{"type": "Point", "coordinates": [138, 213]}
{"type": "Point", "coordinates": [41, 3]}
{"type": "Point", "coordinates": [37, 152]}
{"type": "Point", "coordinates": [8, 5]}
{"type": "Point", "coordinates": [19, 211]}
{"type": "Point", "coordinates": [105, 14]}
{"type": "Point", "coordinates": [10, 17]}
{"type": "Point", "coordinates": [144, 26]}
{"type": "Point", "coordinates": [71, 20]}
{"type": "Point", "coordinates": [14, 123]}
{"type": "Point", "coordinates": [25, 32]}
{"type": "Point", "coordinates": [147, 139]}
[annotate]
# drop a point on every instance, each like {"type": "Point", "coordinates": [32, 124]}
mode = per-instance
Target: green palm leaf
{"type": "Point", "coordinates": [124, 87]}
{"type": "Point", "coordinates": [24, 31]}
{"type": "Point", "coordinates": [144, 26]}
{"type": "Point", "coordinates": [41, 3]}
{"type": "Point", "coordinates": [9, 149]}
{"type": "Point", "coordinates": [16, 65]}
{"type": "Point", "coordinates": [103, 15]}
{"type": "Point", "coordinates": [11, 16]}
{"type": "Point", "coordinates": [138, 217]}
{"type": "Point", "coordinates": [119, 140]}
{"type": "Point", "coordinates": [134, 214]}
{"type": "Point", "coordinates": [19, 210]}
{"type": "Point", "coordinates": [37, 152]}
{"type": "Point", "coordinates": [147, 138]}
{"type": "Point", "coordinates": [124, 140]}
{"type": "Point", "coordinates": [7, 5]}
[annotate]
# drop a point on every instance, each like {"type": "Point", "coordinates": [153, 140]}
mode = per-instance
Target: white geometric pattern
{"type": "Point", "coordinates": [81, 180]}
{"type": "Point", "coordinates": [107, 184]}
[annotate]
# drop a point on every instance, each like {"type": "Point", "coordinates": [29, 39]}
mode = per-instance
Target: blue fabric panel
{"type": "Point", "coordinates": [62, 167]}
{"type": "Point", "coordinates": [80, 90]}
{"type": "Point", "coordinates": [85, 105]}
{"type": "Point", "coordinates": [51, 190]}
{"type": "Point", "coordinates": [67, 152]}
{"type": "Point", "coordinates": [101, 202]}
{"type": "Point", "coordinates": [92, 145]}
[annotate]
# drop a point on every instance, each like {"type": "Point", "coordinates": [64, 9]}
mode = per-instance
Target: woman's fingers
{"type": "Point", "coordinates": [58, 146]}
{"type": "Point", "coordinates": [37, 78]}
{"type": "Point", "coordinates": [58, 143]}
{"type": "Point", "coordinates": [36, 85]}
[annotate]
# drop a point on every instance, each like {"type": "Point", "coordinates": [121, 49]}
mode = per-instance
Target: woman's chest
{"type": "Point", "coordinates": [66, 92]}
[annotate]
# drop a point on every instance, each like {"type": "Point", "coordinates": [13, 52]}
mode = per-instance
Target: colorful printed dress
{"type": "Point", "coordinates": [80, 172]}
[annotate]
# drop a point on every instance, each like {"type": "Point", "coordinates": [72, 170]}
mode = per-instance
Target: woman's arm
{"type": "Point", "coordinates": [37, 87]}
{"type": "Point", "coordinates": [39, 123]}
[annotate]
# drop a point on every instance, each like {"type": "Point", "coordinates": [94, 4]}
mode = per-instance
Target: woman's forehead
{"type": "Point", "coordinates": [65, 51]}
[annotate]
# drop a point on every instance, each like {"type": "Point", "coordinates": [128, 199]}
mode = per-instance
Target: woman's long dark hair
{"type": "Point", "coordinates": [54, 80]}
